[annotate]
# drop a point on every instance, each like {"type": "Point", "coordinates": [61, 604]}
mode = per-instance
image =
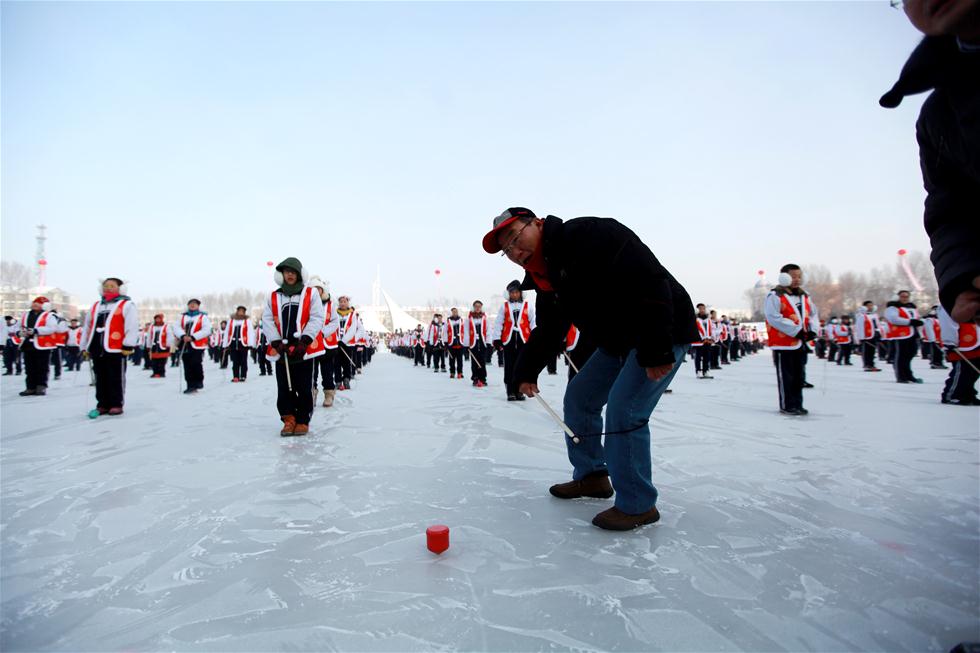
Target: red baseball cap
{"type": "Point", "coordinates": [490, 245]}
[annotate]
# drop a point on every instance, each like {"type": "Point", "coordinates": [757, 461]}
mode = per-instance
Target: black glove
{"type": "Point", "coordinates": [916, 322]}
{"type": "Point", "coordinates": [299, 349]}
{"type": "Point", "coordinates": [805, 335]}
{"type": "Point", "coordinates": [498, 344]}
{"type": "Point", "coordinates": [277, 345]}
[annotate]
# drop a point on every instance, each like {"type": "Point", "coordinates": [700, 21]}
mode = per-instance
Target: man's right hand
{"type": "Point", "coordinates": [277, 345]}
{"type": "Point", "coordinates": [967, 305]}
{"type": "Point", "coordinates": [186, 338]}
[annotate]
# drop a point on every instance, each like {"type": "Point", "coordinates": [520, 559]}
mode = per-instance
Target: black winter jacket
{"type": "Point", "coordinates": [611, 286]}
{"type": "Point", "coordinates": [948, 132]}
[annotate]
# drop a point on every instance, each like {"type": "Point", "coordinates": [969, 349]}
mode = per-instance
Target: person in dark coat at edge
{"type": "Point", "coordinates": [569, 264]}
{"type": "Point", "coordinates": [947, 62]}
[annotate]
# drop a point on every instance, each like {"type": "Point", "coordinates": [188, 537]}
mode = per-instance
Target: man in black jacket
{"type": "Point", "coordinates": [947, 62]}
{"type": "Point", "coordinates": [638, 352]}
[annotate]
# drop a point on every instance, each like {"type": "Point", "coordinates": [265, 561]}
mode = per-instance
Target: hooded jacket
{"type": "Point", "coordinates": [601, 272]}
{"type": "Point", "coordinates": [948, 133]}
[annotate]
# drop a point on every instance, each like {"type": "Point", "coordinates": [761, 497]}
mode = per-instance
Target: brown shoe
{"type": "Point", "coordinates": [615, 519]}
{"type": "Point", "coordinates": [328, 396]}
{"type": "Point", "coordinates": [595, 485]}
{"type": "Point", "coordinates": [288, 425]}
{"type": "Point", "coordinates": [301, 429]}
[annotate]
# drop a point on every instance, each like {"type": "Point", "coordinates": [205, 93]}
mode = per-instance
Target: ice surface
{"type": "Point", "coordinates": [188, 523]}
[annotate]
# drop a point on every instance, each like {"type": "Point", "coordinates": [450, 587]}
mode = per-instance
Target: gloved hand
{"type": "Point", "coordinates": [127, 352]}
{"type": "Point", "coordinates": [278, 346]}
{"type": "Point", "coordinates": [916, 322]}
{"type": "Point", "coordinates": [186, 338]}
{"type": "Point", "coordinates": [498, 344]}
{"type": "Point", "coordinates": [806, 335]}
{"type": "Point", "coordinates": [298, 350]}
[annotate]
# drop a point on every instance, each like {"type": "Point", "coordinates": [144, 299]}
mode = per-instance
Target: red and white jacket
{"type": "Point", "coordinates": [75, 337]}
{"type": "Point", "coordinates": [897, 320]}
{"type": "Point", "coordinates": [865, 325]}
{"type": "Point", "coordinates": [198, 327]}
{"type": "Point", "coordinates": [249, 335]}
{"type": "Point", "coordinates": [331, 325]}
{"type": "Point", "coordinates": [121, 329]}
{"type": "Point", "coordinates": [159, 336]}
{"type": "Point", "coordinates": [351, 329]}
{"type": "Point", "coordinates": [703, 325]}
{"type": "Point", "coordinates": [45, 329]}
{"type": "Point", "coordinates": [309, 320]}
{"type": "Point", "coordinates": [784, 320]}
{"type": "Point", "coordinates": [434, 334]}
{"type": "Point", "coordinates": [473, 326]}
{"type": "Point", "coordinates": [505, 325]}
{"type": "Point", "coordinates": [963, 336]}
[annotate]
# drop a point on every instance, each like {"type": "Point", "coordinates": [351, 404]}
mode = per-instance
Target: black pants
{"type": "Point", "coordinates": [904, 351]}
{"type": "Point", "coordinates": [428, 356]}
{"type": "Point", "coordinates": [702, 359]}
{"type": "Point", "coordinates": [511, 351]}
{"type": "Point", "coordinates": [790, 366]}
{"type": "Point", "coordinates": [733, 350]}
{"type": "Point", "coordinates": [478, 362]}
{"type": "Point", "coordinates": [553, 365]}
{"type": "Point", "coordinates": [36, 362]}
{"type": "Point", "coordinates": [159, 366]}
{"type": "Point", "coordinates": [324, 367]}
{"type": "Point", "coordinates": [265, 367]}
{"type": "Point", "coordinates": [844, 357]}
{"type": "Point", "coordinates": [714, 357]}
{"type": "Point", "coordinates": [239, 362]}
{"type": "Point", "coordinates": [937, 355]}
{"type": "Point", "coordinates": [419, 355]}
{"type": "Point", "coordinates": [56, 361]}
{"type": "Point", "coordinates": [724, 351]}
{"type": "Point", "coordinates": [455, 361]}
{"type": "Point", "coordinates": [11, 358]}
{"type": "Point", "coordinates": [500, 357]}
{"type": "Point", "coordinates": [344, 368]}
{"type": "Point", "coordinates": [821, 348]}
{"type": "Point", "coordinates": [73, 358]}
{"type": "Point", "coordinates": [832, 354]}
{"type": "Point", "coordinates": [193, 362]}
{"type": "Point", "coordinates": [297, 402]}
{"type": "Point", "coordinates": [110, 379]}
{"type": "Point", "coordinates": [439, 358]}
{"type": "Point", "coordinates": [961, 383]}
{"type": "Point", "coordinates": [868, 354]}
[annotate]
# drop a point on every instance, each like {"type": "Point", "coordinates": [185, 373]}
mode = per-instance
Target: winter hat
{"type": "Point", "coordinates": [44, 302]}
{"type": "Point", "coordinates": [490, 245]}
{"type": "Point", "coordinates": [316, 282]}
{"type": "Point", "coordinates": [123, 286]}
{"type": "Point", "coordinates": [513, 285]}
{"type": "Point", "coordinates": [193, 301]}
{"type": "Point", "coordinates": [292, 263]}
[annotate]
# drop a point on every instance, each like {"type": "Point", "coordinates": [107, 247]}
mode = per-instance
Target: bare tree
{"type": "Point", "coordinates": [16, 275]}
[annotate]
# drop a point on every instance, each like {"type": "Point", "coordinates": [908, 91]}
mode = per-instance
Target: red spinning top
{"type": "Point", "coordinates": [437, 538]}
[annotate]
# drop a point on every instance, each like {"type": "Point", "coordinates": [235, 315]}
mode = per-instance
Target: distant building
{"type": "Point", "coordinates": [16, 301]}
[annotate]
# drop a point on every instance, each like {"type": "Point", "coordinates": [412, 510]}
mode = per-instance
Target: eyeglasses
{"type": "Point", "coordinates": [506, 250]}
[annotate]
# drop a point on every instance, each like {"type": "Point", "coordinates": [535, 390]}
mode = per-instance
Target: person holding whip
{"type": "Point", "coordinates": [569, 264]}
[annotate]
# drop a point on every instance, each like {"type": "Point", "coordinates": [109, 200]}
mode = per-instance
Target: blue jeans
{"type": "Point", "coordinates": [622, 386]}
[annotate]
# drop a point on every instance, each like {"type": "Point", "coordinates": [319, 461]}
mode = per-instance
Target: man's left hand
{"type": "Point", "coordinates": [659, 372]}
{"type": "Point", "coordinates": [528, 389]}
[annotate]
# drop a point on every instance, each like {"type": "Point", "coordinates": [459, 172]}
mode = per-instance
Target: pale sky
{"type": "Point", "coordinates": [183, 145]}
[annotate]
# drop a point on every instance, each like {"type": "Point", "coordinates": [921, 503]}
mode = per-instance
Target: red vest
{"type": "Point", "coordinates": [41, 342]}
{"type": "Point", "coordinates": [469, 330]}
{"type": "Point", "coordinates": [115, 327]}
{"type": "Point", "coordinates": [704, 330]}
{"type": "Point", "coordinates": [230, 331]}
{"type": "Point", "coordinates": [523, 323]}
{"type": "Point", "coordinates": [898, 331]}
{"type": "Point", "coordinates": [778, 339]}
{"type": "Point", "coordinates": [316, 347]}
{"type": "Point", "coordinates": [869, 327]}
{"type": "Point", "coordinates": [200, 343]}
{"type": "Point", "coordinates": [331, 341]}
{"type": "Point", "coordinates": [842, 334]}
